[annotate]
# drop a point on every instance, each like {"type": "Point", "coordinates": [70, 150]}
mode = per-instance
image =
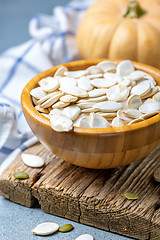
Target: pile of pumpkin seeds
{"type": "Point", "coordinates": [101, 96]}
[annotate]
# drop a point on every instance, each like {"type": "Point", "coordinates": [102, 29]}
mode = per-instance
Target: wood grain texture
{"type": "Point", "coordinates": [98, 148]}
{"type": "Point", "coordinates": [93, 197]}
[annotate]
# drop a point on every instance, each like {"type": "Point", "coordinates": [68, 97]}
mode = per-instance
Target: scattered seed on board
{"type": "Point", "coordinates": [21, 175]}
{"type": "Point", "coordinates": [85, 237]}
{"type": "Point", "coordinates": [157, 175]}
{"type": "Point", "coordinates": [118, 93]}
{"type": "Point", "coordinates": [32, 160]}
{"type": "Point", "coordinates": [66, 228]}
{"type": "Point", "coordinates": [130, 196]}
{"type": "Point", "coordinates": [46, 228]}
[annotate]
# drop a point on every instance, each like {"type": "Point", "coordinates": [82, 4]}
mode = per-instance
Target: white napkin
{"type": "Point", "coordinates": [52, 43]}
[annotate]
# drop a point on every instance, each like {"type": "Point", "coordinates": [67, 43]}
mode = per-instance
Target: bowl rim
{"type": "Point", "coordinates": [28, 107]}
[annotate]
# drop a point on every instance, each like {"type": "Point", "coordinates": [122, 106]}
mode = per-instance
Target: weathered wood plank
{"type": "Point", "coordinates": [93, 197]}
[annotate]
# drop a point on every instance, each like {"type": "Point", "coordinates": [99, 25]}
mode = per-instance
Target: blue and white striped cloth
{"type": "Point", "coordinates": [52, 43]}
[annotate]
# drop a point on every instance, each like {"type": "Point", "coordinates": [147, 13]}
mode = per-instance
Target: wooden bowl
{"type": "Point", "coordinates": [98, 148]}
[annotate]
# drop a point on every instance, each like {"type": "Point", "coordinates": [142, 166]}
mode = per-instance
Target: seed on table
{"type": "Point", "coordinates": [66, 228]}
{"type": "Point", "coordinates": [32, 160]}
{"type": "Point", "coordinates": [157, 175]}
{"type": "Point", "coordinates": [85, 237]}
{"type": "Point", "coordinates": [21, 175]}
{"type": "Point", "coordinates": [130, 196]}
{"type": "Point", "coordinates": [46, 228]}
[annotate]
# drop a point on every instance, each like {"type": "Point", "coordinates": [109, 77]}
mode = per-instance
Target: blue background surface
{"type": "Point", "coordinates": [16, 222]}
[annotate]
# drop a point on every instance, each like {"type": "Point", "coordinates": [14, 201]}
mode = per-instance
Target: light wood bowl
{"type": "Point", "coordinates": [98, 148]}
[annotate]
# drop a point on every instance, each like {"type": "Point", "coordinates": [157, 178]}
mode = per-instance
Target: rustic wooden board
{"type": "Point", "coordinates": [93, 197]}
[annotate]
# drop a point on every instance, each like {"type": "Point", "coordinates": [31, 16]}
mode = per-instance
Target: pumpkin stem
{"type": "Point", "coordinates": [134, 10]}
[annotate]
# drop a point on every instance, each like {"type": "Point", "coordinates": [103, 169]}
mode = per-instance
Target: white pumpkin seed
{"type": "Point", "coordinates": [84, 105]}
{"type": "Point", "coordinates": [88, 110]}
{"type": "Point", "coordinates": [121, 114]}
{"type": "Point", "coordinates": [61, 123]}
{"type": "Point", "coordinates": [51, 100]}
{"type": "Point", "coordinates": [152, 91]}
{"type": "Point", "coordinates": [37, 93]}
{"type": "Point", "coordinates": [136, 76]}
{"type": "Point", "coordinates": [107, 106]}
{"type": "Point", "coordinates": [94, 100]}
{"type": "Point", "coordinates": [46, 228]}
{"type": "Point", "coordinates": [50, 84]}
{"type": "Point", "coordinates": [112, 77]}
{"type": "Point", "coordinates": [148, 115]}
{"type": "Point", "coordinates": [93, 76]}
{"type": "Point", "coordinates": [85, 122]}
{"type": "Point", "coordinates": [98, 121]}
{"type": "Point", "coordinates": [84, 83]}
{"type": "Point", "coordinates": [72, 112]}
{"type": "Point", "coordinates": [32, 160]}
{"type": "Point", "coordinates": [94, 70]}
{"type": "Point", "coordinates": [76, 123]}
{"type": "Point", "coordinates": [141, 89]}
{"type": "Point", "coordinates": [135, 121]}
{"type": "Point", "coordinates": [45, 98]}
{"type": "Point", "coordinates": [68, 98]}
{"type": "Point", "coordinates": [133, 113]}
{"type": "Point", "coordinates": [76, 74]}
{"type": "Point", "coordinates": [125, 68]}
{"type": "Point", "coordinates": [60, 71]}
{"type": "Point", "coordinates": [73, 90]}
{"type": "Point", "coordinates": [156, 97]}
{"type": "Point", "coordinates": [40, 109]}
{"type": "Point", "coordinates": [60, 104]}
{"type": "Point", "coordinates": [107, 66]}
{"type": "Point", "coordinates": [118, 93]}
{"type": "Point", "coordinates": [85, 237]}
{"type": "Point", "coordinates": [107, 115]}
{"type": "Point", "coordinates": [97, 92]}
{"type": "Point", "coordinates": [103, 82]}
{"type": "Point", "coordinates": [134, 101]}
{"type": "Point", "coordinates": [150, 107]}
{"type": "Point", "coordinates": [117, 122]}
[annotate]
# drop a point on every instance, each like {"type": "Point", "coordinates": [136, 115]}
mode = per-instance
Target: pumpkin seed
{"type": "Point", "coordinates": [130, 196]}
{"type": "Point", "coordinates": [50, 84]}
{"type": "Point", "coordinates": [38, 93]}
{"type": "Point", "coordinates": [98, 121]}
{"type": "Point", "coordinates": [84, 83]}
{"type": "Point", "coordinates": [103, 83]}
{"type": "Point", "coordinates": [150, 107]}
{"type": "Point", "coordinates": [60, 71]}
{"type": "Point", "coordinates": [68, 98]}
{"type": "Point", "coordinates": [156, 97]}
{"type": "Point", "coordinates": [107, 106]}
{"type": "Point", "coordinates": [117, 122]}
{"type": "Point", "coordinates": [60, 104]}
{"type": "Point", "coordinates": [60, 122]}
{"type": "Point", "coordinates": [32, 160]}
{"type": "Point", "coordinates": [125, 68]}
{"type": "Point", "coordinates": [134, 101]}
{"type": "Point", "coordinates": [21, 175]}
{"type": "Point", "coordinates": [98, 92]}
{"type": "Point", "coordinates": [76, 74]}
{"type": "Point", "coordinates": [118, 93]}
{"type": "Point", "coordinates": [72, 112]}
{"type": "Point", "coordinates": [141, 89]}
{"type": "Point", "coordinates": [94, 70]}
{"type": "Point", "coordinates": [157, 175]}
{"type": "Point", "coordinates": [66, 228]}
{"type": "Point", "coordinates": [85, 237]}
{"type": "Point", "coordinates": [46, 228]}
{"type": "Point", "coordinates": [107, 66]}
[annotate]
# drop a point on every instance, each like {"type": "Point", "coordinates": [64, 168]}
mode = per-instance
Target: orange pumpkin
{"type": "Point", "coordinates": [121, 29]}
